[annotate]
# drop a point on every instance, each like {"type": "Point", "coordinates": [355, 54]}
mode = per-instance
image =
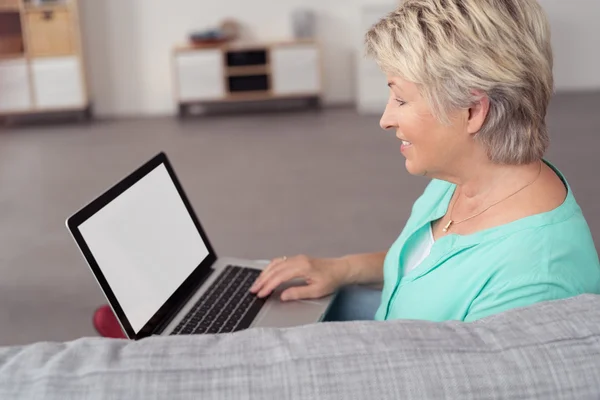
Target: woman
{"type": "Point", "coordinates": [498, 226]}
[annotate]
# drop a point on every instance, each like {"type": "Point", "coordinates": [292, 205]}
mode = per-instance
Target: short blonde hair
{"type": "Point", "coordinates": [453, 49]}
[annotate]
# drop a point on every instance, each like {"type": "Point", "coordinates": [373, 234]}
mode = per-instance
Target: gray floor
{"type": "Point", "coordinates": [263, 185]}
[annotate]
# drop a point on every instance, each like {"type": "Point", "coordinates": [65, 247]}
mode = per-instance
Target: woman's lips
{"type": "Point", "coordinates": [405, 146]}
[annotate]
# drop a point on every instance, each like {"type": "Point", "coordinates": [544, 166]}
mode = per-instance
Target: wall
{"type": "Point", "coordinates": [576, 43]}
{"type": "Point", "coordinates": [128, 44]}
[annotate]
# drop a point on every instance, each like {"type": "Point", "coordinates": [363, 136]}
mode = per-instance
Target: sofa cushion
{"type": "Point", "coordinates": [548, 351]}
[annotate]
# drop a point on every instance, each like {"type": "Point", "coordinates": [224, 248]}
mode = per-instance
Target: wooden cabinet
{"type": "Point", "coordinates": [247, 72]}
{"type": "Point", "coordinates": [50, 33]}
{"type": "Point", "coordinates": [14, 86]}
{"type": "Point", "coordinates": [41, 62]}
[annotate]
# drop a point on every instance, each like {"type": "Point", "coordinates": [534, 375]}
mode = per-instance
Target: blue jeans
{"type": "Point", "coordinates": [354, 303]}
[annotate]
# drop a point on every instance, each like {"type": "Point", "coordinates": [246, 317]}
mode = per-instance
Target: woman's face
{"type": "Point", "coordinates": [430, 147]}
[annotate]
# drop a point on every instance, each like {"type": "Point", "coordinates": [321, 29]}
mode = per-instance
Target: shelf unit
{"type": "Point", "coordinates": [238, 72]}
{"type": "Point", "coordinates": [41, 62]}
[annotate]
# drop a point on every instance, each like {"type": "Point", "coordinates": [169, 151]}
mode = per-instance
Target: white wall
{"type": "Point", "coordinates": [576, 43]}
{"type": "Point", "coordinates": [128, 44]}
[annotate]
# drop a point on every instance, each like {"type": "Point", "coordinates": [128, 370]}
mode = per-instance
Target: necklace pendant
{"type": "Point", "coordinates": [447, 227]}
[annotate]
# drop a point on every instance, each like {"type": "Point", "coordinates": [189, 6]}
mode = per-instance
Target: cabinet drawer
{"type": "Point", "coordinates": [14, 86]}
{"type": "Point", "coordinates": [58, 83]}
{"type": "Point", "coordinates": [50, 33]}
{"type": "Point", "coordinates": [200, 75]}
{"type": "Point", "coordinates": [296, 69]}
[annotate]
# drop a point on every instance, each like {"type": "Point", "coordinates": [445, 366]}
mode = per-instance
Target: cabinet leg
{"type": "Point", "coordinates": [88, 113]}
{"type": "Point", "coordinates": [315, 103]}
{"type": "Point", "coordinates": [183, 110]}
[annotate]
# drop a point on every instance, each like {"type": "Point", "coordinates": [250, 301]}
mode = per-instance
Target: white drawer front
{"type": "Point", "coordinates": [14, 86]}
{"type": "Point", "coordinates": [200, 75]}
{"type": "Point", "coordinates": [58, 83]}
{"type": "Point", "coordinates": [296, 69]}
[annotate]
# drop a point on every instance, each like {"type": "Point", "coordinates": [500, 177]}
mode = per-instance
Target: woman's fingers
{"type": "Point", "coordinates": [302, 292]}
{"type": "Point", "coordinates": [278, 277]}
{"type": "Point", "coordinates": [265, 273]}
{"type": "Point", "coordinates": [319, 275]}
{"type": "Point", "coordinates": [272, 268]}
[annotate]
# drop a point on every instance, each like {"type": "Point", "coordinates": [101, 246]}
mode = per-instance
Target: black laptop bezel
{"type": "Point", "coordinates": [190, 285]}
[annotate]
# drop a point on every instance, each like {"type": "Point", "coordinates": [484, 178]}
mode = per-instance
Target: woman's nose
{"type": "Point", "coordinates": [386, 122]}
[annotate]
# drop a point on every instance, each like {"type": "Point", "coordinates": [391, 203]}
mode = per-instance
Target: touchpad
{"type": "Point", "coordinates": [281, 314]}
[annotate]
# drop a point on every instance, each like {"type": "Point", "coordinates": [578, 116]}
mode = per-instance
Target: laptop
{"type": "Point", "coordinates": [155, 264]}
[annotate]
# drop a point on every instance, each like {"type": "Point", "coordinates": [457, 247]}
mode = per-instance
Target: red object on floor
{"type": "Point", "coordinates": [107, 324]}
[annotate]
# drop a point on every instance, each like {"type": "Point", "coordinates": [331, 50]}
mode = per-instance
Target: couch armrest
{"type": "Point", "coordinates": [549, 350]}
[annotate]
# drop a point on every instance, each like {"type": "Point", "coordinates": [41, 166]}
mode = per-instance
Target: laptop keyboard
{"type": "Point", "coordinates": [227, 306]}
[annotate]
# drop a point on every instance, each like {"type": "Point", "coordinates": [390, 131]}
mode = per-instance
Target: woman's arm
{"type": "Point", "coordinates": [322, 275]}
{"type": "Point", "coordinates": [364, 269]}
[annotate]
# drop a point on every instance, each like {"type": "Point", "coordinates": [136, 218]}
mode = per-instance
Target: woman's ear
{"type": "Point", "coordinates": [478, 113]}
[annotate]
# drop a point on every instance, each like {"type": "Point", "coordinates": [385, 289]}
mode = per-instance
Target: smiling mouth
{"type": "Point", "coordinates": [406, 143]}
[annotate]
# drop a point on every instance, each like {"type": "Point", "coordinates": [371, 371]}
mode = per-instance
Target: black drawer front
{"type": "Point", "coordinates": [242, 58]}
{"type": "Point", "coordinates": [248, 83]}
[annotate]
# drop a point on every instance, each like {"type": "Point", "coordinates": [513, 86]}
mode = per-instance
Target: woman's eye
{"type": "Point", "coordinates": [400, 102]}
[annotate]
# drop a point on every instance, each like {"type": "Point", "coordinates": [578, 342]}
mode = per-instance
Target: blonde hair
{"type": "Point", "coordinates": [453, 49]}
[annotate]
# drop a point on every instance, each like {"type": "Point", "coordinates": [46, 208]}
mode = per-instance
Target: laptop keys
{"type": "Point", "coordinates": [249, 316]}
{"type": "Point", "coordinates": [227, 306]}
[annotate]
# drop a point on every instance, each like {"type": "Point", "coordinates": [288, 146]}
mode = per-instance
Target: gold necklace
{"type": "Point", "coordinates": [452, 222]}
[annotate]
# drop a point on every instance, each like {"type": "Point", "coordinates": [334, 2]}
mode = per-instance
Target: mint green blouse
{"type": "Point", "coordinates": [542, 257]}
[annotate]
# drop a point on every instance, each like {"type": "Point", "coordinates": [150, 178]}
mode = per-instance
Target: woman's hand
{"type": "Point", "coordinates": [323, 276]}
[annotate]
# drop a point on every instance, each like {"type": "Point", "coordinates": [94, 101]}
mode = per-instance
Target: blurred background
{"type": "Point", "coordinates": [268, 111]}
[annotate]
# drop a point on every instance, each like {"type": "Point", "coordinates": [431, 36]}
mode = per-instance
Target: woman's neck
{"type": "Point", "coordinates": [489, 182]}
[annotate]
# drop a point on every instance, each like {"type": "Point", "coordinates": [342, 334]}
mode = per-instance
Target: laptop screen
{"type": "Point", "coordinates": [146, 244]}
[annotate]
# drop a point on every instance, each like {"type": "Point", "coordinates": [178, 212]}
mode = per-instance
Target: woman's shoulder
{"type": "Point", "coordinates": [564, 252]}
{"type": "Point", "coordinates": [544, 236]}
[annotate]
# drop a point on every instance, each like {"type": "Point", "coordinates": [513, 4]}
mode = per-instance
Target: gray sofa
{"type": "Point", "coordinates": [547, 351]}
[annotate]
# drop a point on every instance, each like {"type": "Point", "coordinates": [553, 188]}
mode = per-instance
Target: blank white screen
{"type": "Point", "coordinates": [146, 245]}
